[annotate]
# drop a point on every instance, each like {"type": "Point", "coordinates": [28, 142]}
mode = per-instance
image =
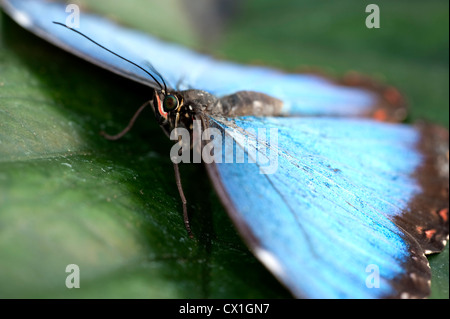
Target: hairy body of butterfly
{"type": "Point", "coordinates": [351, 192]}
{"type": "Point", "coordinates": [178, 109]}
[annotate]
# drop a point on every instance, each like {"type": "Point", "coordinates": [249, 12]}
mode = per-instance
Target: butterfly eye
{"type": "Point", "coordinates": [170, 103]}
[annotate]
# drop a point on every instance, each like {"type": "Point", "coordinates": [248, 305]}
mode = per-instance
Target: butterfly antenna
{"type": "Point", "coordinates": [119, 56]}
{"type": "Point", "coordinates": [152, 68]}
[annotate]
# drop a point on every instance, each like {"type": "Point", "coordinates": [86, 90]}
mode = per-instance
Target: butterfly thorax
{"type": "Point", "coordinates": [178, 109]}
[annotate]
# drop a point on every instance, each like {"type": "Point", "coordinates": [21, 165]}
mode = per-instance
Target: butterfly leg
{"type": "Point", "coordinates": [129, 126]}
{"type": "Point", "coordinates": [183, 200]}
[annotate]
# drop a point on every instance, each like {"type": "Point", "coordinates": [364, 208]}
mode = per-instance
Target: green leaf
{"type": "Point", "coordinates": [68, 196]}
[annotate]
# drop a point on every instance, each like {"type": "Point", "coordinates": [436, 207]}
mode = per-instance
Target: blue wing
{"type": "Point", "coordinates": [304, 94]}
{"type": "Point", "coordinates": [327, 210]}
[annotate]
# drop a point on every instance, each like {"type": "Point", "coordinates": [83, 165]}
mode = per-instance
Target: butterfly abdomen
{"type": "Point", "coordinates": [244, 103]}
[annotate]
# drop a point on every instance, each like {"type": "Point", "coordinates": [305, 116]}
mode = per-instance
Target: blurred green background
{"type": "Point", "coordinates": [68, 196]}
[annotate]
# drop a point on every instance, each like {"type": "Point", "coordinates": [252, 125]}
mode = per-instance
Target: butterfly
{"type": "Point", "coordinates": [350, 191]}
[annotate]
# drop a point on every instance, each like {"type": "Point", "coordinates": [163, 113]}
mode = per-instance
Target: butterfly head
{"type": "Point", "coordinates": [180, 108]}
{"type": "Point", "coordinates": [164, 104]}
{"type": "Point", "coordinates": [170, 110]}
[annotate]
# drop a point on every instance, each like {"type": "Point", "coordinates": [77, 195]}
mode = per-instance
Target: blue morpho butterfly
{"type": "Point", "coordinates": [350, 194]}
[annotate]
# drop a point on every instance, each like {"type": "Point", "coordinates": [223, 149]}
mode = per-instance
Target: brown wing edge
{"type": "Point", "coordinates": [425, 221]}
{"type": "Point", "coordinates": [426, 218]}
{"type": "Point", "coordinates": [390, 106]}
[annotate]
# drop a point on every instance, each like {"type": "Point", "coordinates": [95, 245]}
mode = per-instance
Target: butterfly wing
{"type": "Point", "coordinates": [339, 201]}
{"type": "Point", "coordinates": [302, 94]}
